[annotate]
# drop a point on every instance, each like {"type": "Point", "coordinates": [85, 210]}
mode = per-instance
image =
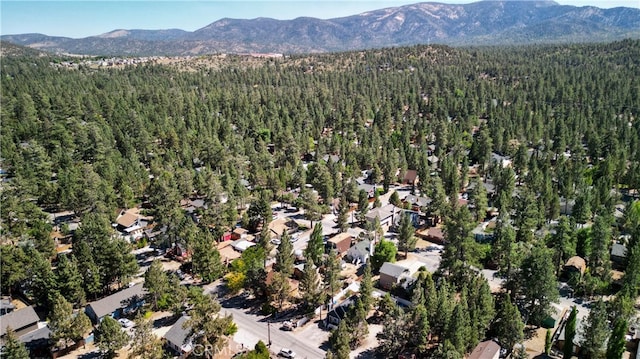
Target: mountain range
{"type": "Point", "coordinates": [480, 23]}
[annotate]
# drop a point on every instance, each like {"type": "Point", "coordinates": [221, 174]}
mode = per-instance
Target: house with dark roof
{"type": "Point", "coordinates": [22, 321]}
{"type": "Point", "coordinates": [619, 254]}
{"type": "Point", "coordinates": [37, 341]}
{"type": "Point", "coordinates": [117, 304]}
{"type": "Point", "coordinates": [175, 338]}
{"type": "Point", "coordinates": [338, 313]}
{"type": "Point", "coordinates": [486, 350]}
{"type": "Point", "coordinates": [410, 178]}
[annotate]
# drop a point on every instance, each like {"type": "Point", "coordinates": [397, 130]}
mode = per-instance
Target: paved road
{"type": "Point", "coordinates": [252, 328]}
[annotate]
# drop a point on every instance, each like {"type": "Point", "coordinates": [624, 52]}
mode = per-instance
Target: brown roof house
{"type": "Point", "coordinates": [341, 243]}
{"type": "Point", "coordinates": [575, 264]}
{"type": "Point", "coordinates": [130, 223]}
{"type": "Point", "coordinates": [410, 178]}
{"type": "Point", "coordinates": [486, 350]}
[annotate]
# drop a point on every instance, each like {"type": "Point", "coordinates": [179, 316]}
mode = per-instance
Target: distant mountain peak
{"type": "Point", "coordinates": [488, 22]}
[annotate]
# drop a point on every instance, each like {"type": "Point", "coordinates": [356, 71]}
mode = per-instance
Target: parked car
{"type": "Point", "coordinates": [288, 326]}
{"type": "Point", "coordinates": [287, 353]}
{"type": "Point", "coordinates": [275, 241]}
{"type": "Point", "coordinates": [126, 323]}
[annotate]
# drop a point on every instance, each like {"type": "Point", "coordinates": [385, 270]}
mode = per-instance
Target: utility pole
{"type": "Point", "coordinates": [269, 332]}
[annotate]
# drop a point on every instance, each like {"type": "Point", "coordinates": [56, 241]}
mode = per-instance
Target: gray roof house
{"type": "Point", "coordinates": [116, 304]}
{"type": "Point", "coordinates": [22, 321]}
{"type": "Point", "coordinates": [360, 252]}
{"type": "Point", "coordinates": [388, 215]}
{"type": "Point", "coordinates": [176, 336]}
{"type": "Point", "coordinates": [618, 253]}
{"type": "Point", "coordinates": [392, 274]}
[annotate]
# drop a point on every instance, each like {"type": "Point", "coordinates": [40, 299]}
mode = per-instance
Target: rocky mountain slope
{"type": "Point", "coordinates": [480, 23]}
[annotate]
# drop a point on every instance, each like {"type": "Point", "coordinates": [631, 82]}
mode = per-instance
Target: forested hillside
{"type": "Point", "coordinates": [93, 141]}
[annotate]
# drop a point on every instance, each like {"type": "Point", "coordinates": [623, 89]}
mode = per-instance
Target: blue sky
{"type": "Point", "coordinates": [82, 18]}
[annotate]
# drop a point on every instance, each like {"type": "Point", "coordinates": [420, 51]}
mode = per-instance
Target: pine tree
{"type": "Point", "coordinates": [156, 282]}
{"type": "Point", "coordinates": [600, 242]}
{"type": "Point", "coordinates": [331, 275]}
{"type": "Point", "coordinates": [617, 342]}
{"type": "Point", "coordinates": [205, 326]}
{"type": "Point", "coordinates": [145, 345]}
{"type": "Point", "coordinates": [479, 200]}
{"type": "Point", "coordinates": [459, 328]}
{"type": "Point", "coordinates": [538, 283]}
{"type": "Point", "coordinates": [570, 334]}
{"type": "Point", "coordinates": [310, 285]}
{"type": "Point", "coordinates": [596, 332]}
{"type": "Point", "coordinates": [284, 257]}
{"type": "Point", "coordinates": [366, 287]}
{"type": "Point", "coordinates": [14, 348]}
{"type": "Point", "coordinates": [508, 324]}
{"type": "Point", "coordinates": [339, 341]}
{"type": "Point", "coordinates": [363, 205]}
{"type": "Point", "coordinates": [206, 259]}
{"type": "Point", "coordinates": [110, 337]}
{"type": "Point", "coordinates": [315, 246]}
{"type": "Point", "coordinates": [69, 280]}
{"type": "Point", "coordinates": [343, 214]}
{"type": "Point", "coordinates": [357, 323]}
{"type": "Point", "coordinates": [406, 239]}
{"type": "Point", "coordinates": [421, 328]}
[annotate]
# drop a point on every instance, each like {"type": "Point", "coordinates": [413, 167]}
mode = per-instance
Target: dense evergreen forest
{"type": "Point", "coordinates": [93, 140]}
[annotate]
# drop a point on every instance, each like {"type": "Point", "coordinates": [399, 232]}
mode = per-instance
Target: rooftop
{"type": "Point", "coordinates": [18, 319]}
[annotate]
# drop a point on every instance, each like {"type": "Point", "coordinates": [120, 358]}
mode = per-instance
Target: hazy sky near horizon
{"type": "Point", "coordinates": [83, 18]}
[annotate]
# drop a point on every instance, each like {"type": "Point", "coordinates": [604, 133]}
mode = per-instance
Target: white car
{"type": "Point", "coordinates": [126, 323]}
{"type": "Point", "coordinates": [287, 353]}
{"type": "Point", "coordinates": [275, 241]}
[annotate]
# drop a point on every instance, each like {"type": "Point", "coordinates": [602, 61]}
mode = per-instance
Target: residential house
{"type": "Point", "coordinates": [410, 178]}
{"type": "Point", "coordinates": [22, 321]}
{"type": "Point", "coordinates": [417, 203]}
{"type": "Point", "coordinates": [432, 234]}
{"type": "Point", "coordinates": [360, 252]}
{"type": "Point", "coordinates": [388, 215]}
{"type": "Point", "coordinates": [503, 161]}
{"type": "Point", "coordinates": [338, 313]}
{"type": "Point", "coordinates": [175, 338]}
{"type": "Point", "coordinates": [239, 233]}
{"type": "Point", "coordinates": [575, 264]}
{"type": "Point", "coordinates": [619, 254]}
{"type": "Point", "coordinates": [130, 223]}
{"type": "Point", "coordinates": [433, 161]}
{"type": "Point", "coordinates": [577, 339]}
{"type": "Point", "coordinates": [370, 189]}
{"type": "Point", "coordinates": [392, 274]}
{"type": "Point", "coordinates": [281, 225]}
{"type": "Point", "coordinates": [117, 304]}
{"type": "Point", "coordinates": [241, 245]}
{"type": "Point", "coordinates": [341, 242]}
{"type": "Point", "coordinates": [486, 350]}
{"type": "Point", "coordinates": [38, 341]}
